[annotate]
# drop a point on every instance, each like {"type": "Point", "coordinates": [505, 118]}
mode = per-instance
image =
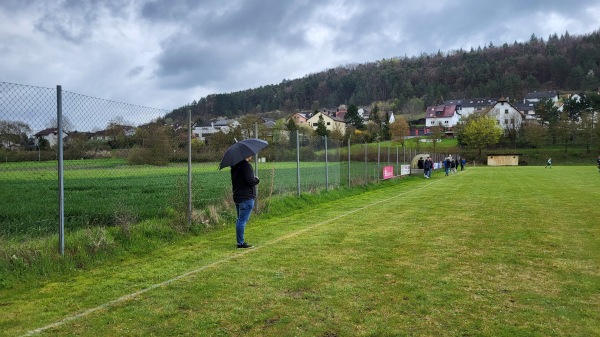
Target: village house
{"type": "Point", "coordinates": [506, 115]}
{"type": "Point", "coordinates": [222, 125]}
{"type": "Point", "coordinates": [331, 123]}
{"type": "Point", "coordinates": [441, 115]}
{"type": "Point", "coordinates": [537, 96]}
{"type": "Point", "coordinates": [301, 119]}
{"type": "Point", "coordinates": [50, 134]}
{"type": "Point", "coordinates": [108, 134]}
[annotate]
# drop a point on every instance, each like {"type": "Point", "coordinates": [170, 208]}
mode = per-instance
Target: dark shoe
{"type": "Point", "coordinates": [245, 245]}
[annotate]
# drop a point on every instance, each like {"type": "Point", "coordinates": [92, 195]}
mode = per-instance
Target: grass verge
{"type": "Point", "coordinates": [490, 251]}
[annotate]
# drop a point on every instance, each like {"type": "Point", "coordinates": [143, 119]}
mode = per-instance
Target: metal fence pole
{"type": "Point", "coordinates": [256, 166]}
{"type": "Point", "coordinates": [397, 164]}
{"type": "Point", "coordinates": [366, 166]}
{"type": "Point", "coordinates": [298, 160]}
{"type": "Point", "coordinates": [348, 162]}
{"type": "Point", "coordinates": [189, 210]}
{"type": "Point", "coordinates": [256, 156]}
{"type": "Point", "coordinates": [61, 186]}
{"type": "Point", "coordinates": [378, 160]}
{"type": "Point", "coordinates": [326, 167]}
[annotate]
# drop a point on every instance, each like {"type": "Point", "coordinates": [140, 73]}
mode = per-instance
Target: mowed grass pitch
{"type": "Point", "coordinates": [508, 251]}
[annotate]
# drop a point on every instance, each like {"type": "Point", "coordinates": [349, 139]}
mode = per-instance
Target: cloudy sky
{"type": "Point", "coordinates": [167, 53]}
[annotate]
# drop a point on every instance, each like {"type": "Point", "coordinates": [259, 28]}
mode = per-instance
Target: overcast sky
{"type": "Point", "coordinates": [167, 53]}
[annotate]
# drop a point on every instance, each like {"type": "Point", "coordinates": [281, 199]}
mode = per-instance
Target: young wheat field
{"type": "Point", "coordinates": [490, 251]}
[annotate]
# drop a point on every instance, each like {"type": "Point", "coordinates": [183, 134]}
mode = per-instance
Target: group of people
{"type": "Point", "coordinates": [450, 165]}
{"type": "Point", "coordinates": [426, 165]}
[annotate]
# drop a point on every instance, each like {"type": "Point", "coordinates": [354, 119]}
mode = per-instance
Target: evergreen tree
{"type": "Point", "coordinates": [321, 128]}
{"type": "Point", "coordinates": [353, 118]}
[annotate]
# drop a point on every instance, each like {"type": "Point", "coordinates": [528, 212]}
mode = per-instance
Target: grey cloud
{"type": "Point", "coordinates": [136, 71]}
{"type": "Point", "coordinates": [75, 20]}
{"type": "Point", "coordinates": [213, 46]}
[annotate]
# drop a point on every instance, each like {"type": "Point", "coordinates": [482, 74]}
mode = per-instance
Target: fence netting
{"type": "Point", "coordinates": [125, 163]}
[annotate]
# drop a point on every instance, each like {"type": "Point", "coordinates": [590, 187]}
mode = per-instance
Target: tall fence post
{"type": "Point", "coordinates": [189, 209]}
{"type": "Point", "coordinates": [326, 166]}
{"type": "Point", "coordinates": [366, 166]}
{"type": "Point", "coordinates": [348, 161]}
{"type": "Point", "coordinates": [298, 160]}
{"type": "Point", "coordinates": [378, 161]}
{"type": "Point", "coordinates": [256, 156]}
{"type": "Point", "coordinates": [256, 166]}
{"type": "Point", "coordinates": [397, 164]}
{"type": "Point", "coordinates": [61, 186]}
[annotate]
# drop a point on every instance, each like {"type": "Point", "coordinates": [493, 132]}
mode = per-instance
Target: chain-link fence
{"type": "Point", "coordinates": [124, 163]}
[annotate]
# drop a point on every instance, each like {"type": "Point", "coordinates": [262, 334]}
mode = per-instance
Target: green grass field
{"type": "Point", "coordinates": [506, 251]}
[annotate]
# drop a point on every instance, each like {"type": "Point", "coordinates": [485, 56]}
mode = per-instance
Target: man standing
{"type": "Point", "coordinates": [243, 184]}
{"type": "Point", "coordinates": [598, 162]}
{"type": "Point", "coordinates": [427, 167]}
{"type": "Point", "coordinates": [549, 163]}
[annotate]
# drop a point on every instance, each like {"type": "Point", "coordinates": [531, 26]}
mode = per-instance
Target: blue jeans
{"type": "Point", "coordinates": [244, 209]}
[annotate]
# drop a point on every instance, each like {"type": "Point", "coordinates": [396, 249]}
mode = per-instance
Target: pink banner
{"type": "Point", "coordinates": [388, 172]}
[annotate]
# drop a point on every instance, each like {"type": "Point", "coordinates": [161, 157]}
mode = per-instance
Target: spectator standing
{"type": "Point", "coordinates": [243, 184]}
{"type": "Point", "coordinates": [427, 167]}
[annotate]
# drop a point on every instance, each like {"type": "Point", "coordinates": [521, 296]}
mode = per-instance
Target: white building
{"type": "Point", "coordinates": [222, 125]}
{"type": "Point", "coordinates": [506, 115]}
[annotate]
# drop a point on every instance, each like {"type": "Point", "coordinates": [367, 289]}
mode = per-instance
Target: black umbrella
{"type": "Point", "coordinates": [242, 150]}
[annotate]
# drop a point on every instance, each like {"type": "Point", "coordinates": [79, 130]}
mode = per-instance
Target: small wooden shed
{"type": "Point", "coordinates": [506, 159]}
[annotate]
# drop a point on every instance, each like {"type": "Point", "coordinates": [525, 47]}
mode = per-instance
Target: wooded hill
{"type": "Point", "coordinates": [565, 63]}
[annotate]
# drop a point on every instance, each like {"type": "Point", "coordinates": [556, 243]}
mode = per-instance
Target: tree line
{"type": "Point", "coordinates": [564, 62]}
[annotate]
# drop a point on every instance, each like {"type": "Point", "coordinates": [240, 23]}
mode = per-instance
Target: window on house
{"type": "Point", "coordinates": [506, 121]}
{"type": "Point", "coordinates": [506, 111]}
{"type": "Point", "coordinates": [328, 123]}
{"type": "Point", "coordinates": [501, 103]}
{"type": "Point", "coordinates": [446, 122]}
{"type": "Point", "coordinates": [512, 121]}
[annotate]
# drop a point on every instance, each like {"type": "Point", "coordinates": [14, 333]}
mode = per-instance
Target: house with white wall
{"type": "Point", "coordinates": [331, 123]}
{"type": "Point", "coordinates": [445, 115]}
{"type": "Point", "coordinates": [506, 115]}
{"type": "Point", "coordinates": [536, 96]}
{"type": "Point", "coordinates": [50, 134]}
{"type": "Point", "coordinates": [223, 125]}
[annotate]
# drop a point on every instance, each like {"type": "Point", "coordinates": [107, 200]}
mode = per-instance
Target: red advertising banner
{"type": "Point", "coordinates": [388, 172]}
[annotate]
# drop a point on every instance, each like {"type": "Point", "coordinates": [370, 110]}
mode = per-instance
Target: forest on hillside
{"type": "Point", "coordinates": [564, 63]}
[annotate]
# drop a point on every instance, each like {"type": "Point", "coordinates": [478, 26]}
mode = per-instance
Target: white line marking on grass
{"type": "Point", "coordinates": [195, 271]}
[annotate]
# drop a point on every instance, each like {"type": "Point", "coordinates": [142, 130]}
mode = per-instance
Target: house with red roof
{"type": "Point", "coordinates": [445, 115]}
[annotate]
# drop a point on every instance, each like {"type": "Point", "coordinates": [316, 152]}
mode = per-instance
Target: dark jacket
{"type": "Point", "coordinates": [243, 182]}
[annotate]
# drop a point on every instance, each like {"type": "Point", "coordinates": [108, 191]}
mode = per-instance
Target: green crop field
{"type": "Point", "coordinates": [491, 251]}
{"type": "Point", "coordinates": [97, 192]}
